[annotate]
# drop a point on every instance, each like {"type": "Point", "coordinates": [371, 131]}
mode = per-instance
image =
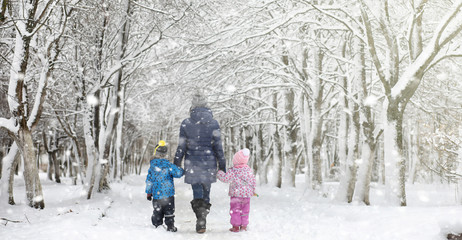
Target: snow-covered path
{"type": "Point", "coordinates": [290, 213]}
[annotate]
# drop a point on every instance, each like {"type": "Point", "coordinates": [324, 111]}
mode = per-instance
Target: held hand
{"type": "Point", "coordinates": [149, 197]}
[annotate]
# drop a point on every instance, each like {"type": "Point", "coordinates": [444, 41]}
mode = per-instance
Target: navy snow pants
{"type": "Point", "coordinates": [163, 208]}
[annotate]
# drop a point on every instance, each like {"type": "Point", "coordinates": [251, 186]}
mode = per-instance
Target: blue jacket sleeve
{"type": "Point", "coordinates": [148, 182]}
{"type": "Point", "coordinates": [176, 171]}
{"type": "Point", "coordinates": [218, 147]}
{"type": "Point", "coordinates": [181, 149]}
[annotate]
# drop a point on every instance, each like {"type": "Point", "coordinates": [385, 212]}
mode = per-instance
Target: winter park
{"type": "Point", "coordinates": [211, 119]}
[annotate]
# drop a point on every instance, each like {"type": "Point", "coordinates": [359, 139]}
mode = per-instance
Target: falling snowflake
{"type": "Point", "coordinates": [92, 100]}
{"type": "Point", "coordinates": [230, 88]}
{"type": "Point", "coordinates": [38, 198]}
{"type": "Point", "coordinates": [442, 76]}
{"type": "Point", "coordinates": [370, 101]}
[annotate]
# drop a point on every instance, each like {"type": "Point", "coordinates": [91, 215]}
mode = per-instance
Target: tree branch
{"type": "Point", "coordinates": [373, 51]}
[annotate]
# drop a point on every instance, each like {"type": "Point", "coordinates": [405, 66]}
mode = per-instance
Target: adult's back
{"type": "Point", "coordinates": [200, 146]}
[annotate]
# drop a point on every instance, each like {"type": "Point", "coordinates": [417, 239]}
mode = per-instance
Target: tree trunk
{"type": "Point", "coordinates": [8, 170]}
{"type": "Point", "coordinates": [317, 120]}
{"type": "Point", "coordinates": [234, 141]}
{"type": "Point", "coordinates": [347, 184]}
{"type": "Point", "coordinates": [263, 162]}
{"type": "Point", "coordinates": [1, 163]}
{"type": "Point", "coordinates": [115, 100]}
{"type": "Point", "coordinates": [290, 138]}
{"type": "Point", "coordinates": [343, 140]}
{"type": "Point", "coordinates": [13, 169]}
{"type": "Point", "coordinates": [278, 158]}
{"type": "Point", "coordinates": [277, 147]}
{"type": "Point", "coordinates": [395, 169]}
{"type": "Point", "coordinates": [141, 157]}
{"type": "Point", "coordinates": [51, 147]}
{"type": "Point", "coordinates": [103, 183]}
{"type": "Point", "coordinates": [46, 143]}
{"type": "Point", "coordinates": [31, 178]}
{"type": "Point", "coordinates": [368, 127]}
{"type": "Point", "coordinates": [459, 167]}
{"type": "Point", "coordinates": [118, 168]}
{"type": "Point", "coordinates": [306, 135]}
{"type": "Point", "coordinates": [343, 129]}
{"type": "Point", "coordinates": [412, 151]}
{"type": "Point", "coordinates": [230, 144]}
{"type": "Point", "coordinates": [92, 153]}
{"type": "Point", "coordinates": [248, 143]}
{"type": "Point", "coordinates": [55, 162]}
{"type": "Point", "coordinates": [364, 174]}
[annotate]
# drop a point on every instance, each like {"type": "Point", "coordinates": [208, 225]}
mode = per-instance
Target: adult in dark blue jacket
{"type": "Point", "coordinates": [200, 146]}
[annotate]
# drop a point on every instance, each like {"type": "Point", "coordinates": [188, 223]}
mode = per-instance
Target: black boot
{"type": "Point", "coordinates": [171, 228]}
{"type": "Point", "coordinates": [201, 209]}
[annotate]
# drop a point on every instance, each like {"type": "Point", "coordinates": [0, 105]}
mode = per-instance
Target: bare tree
{"type": "Point", "coordinates": [29, 18]}
{"type": "Point", "coordinates": [400, 85]}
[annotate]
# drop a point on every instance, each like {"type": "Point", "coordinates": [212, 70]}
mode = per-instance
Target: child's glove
{"type": "Point", "coordinates": [149, 197]}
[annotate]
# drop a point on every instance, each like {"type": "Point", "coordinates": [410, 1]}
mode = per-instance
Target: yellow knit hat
{"type": "Point", "coordinates": [161, 148]}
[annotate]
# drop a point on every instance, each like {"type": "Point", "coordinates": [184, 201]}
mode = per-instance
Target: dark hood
{"type": "Point", "coordinates": [201, 115]}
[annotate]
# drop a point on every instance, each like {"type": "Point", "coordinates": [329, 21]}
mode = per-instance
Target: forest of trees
{"type": "Point", "coordinates": [350, 91]}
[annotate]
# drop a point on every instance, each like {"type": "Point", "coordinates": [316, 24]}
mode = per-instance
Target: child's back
{"type": "Point", "coordinates": [159, 181]}
{"type": "Point", "coordinates": [241, 188]}
{"type": "Point", "coordinates": [241, 181]}
{"type": "Point", "coordinates": [160, 188]}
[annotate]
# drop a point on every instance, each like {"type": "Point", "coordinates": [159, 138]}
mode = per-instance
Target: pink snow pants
{"type": "Point", "coordinates": [239, 211]}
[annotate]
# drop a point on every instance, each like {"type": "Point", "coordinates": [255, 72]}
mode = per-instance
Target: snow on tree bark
{"type": "Point", "coordinates": [8, 175]}
{"type": "Point", "coordinates": [92, 153]}
{"type": "Point", "coordinates": [317, 119]}
{"type": "Point", "coordinates": [290, 139]}
{"type": "Point", "coordinates": [278, 150]}
{"type": "Point", "coordinates": [368, 127]}
{"type": "Point", "coordinates": [304, 112]}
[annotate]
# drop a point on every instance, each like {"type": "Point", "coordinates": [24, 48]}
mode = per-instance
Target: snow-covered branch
{"type": "Point", "coordinates": [356, 30]}
{"type": "Point", "coordinates": [9, 124]}
{"type": "Point", "coordinates": [41, 19]}
{"type": "Point", "coordinates": [373, 50]}
{"type": "Point", "coordinates": [413, 74]}
{"type": "Point", "coordinates": [39, 96]}
{"type": "Point", "coordinates": [447, 56]}
{"type": "Point", "coordinates": [48, 66]}
{"type": "Point", "coordinates": [439, 40]}
{"type": "Point", "coordinates": [149, 8]}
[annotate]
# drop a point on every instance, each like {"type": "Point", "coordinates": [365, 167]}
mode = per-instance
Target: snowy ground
{"type": "Point", "coordinates": [291, 213]}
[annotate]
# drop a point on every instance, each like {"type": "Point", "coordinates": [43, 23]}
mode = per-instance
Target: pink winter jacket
{"type": "Point", "coordinates": [241, 181]}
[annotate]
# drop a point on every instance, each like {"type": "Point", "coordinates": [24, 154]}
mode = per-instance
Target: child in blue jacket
{"type": "Point", "coordinates": [160, 188]}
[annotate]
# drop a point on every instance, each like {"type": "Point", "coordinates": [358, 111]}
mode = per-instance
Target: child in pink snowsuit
{"type": "Point", "coordinates": [241, 188]}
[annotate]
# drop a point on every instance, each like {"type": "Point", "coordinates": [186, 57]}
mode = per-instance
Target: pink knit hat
{"type": "Point", "coordinates": [241, 157]}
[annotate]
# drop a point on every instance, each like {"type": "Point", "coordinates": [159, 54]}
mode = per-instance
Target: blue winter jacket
{"type": "Point", "coordinates": [200, 146]}
{"type": "Point", "coordinates": [159, 181]}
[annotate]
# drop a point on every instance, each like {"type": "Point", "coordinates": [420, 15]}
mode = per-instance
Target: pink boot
{"type": "Point", "coordinates": [243, 228]}
{"type": "Point", "coordinates": [234, 229]}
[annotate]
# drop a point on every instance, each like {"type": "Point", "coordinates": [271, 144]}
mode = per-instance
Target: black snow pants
{"type": "Point", "coordinates": [163, 208]}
